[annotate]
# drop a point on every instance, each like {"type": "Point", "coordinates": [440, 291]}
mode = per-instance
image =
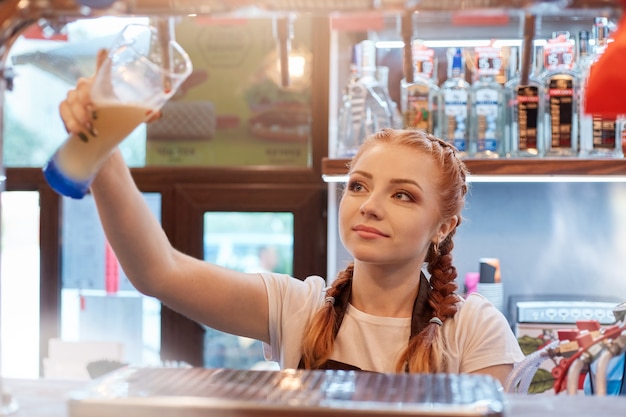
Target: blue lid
{"type": "Point", "coordinates": [457, 59]}
{"type": "Point", "coordinates": [62, 184]}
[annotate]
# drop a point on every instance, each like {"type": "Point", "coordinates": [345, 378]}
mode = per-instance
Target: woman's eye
{"type": "Point", "coordinates": [355, 186]}
{"type": "Point", "coordinates": [404, 196]}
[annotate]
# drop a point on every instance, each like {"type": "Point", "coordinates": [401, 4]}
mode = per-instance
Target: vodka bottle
{"type": "Point", "coordinates": [382, 75]}
{"type": "Point", "coordinates": [585, 121]}
{"type": "Point", "coordinates": [419, 100]}
{"type": "Point", "coordinates": [454, 99]}
{"type": "Point", "coordinates": [487, 105]}
{"type": "Point", "coordinates": [561, 85]}
{"type": "Point", "coordinates": [525, 110]}
{"type": "Point", "coordinates": [512, 73]}
{"type": "Point", "coordinates": [600, 136]}
{"type": "Point", "coordinates": [365, 105]}
{"type": "Point", "coordinates": [346, 106]}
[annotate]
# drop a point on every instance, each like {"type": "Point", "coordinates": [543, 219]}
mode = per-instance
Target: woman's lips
{"type": "Point", "coordinates": [368, 232]}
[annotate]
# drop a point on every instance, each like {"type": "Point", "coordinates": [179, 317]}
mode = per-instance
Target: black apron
{"type": "Point", "coordinates": [422, 313]}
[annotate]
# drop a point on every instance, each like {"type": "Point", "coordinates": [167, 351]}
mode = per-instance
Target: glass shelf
{"type": "Point", "coordinates": [540, 169]}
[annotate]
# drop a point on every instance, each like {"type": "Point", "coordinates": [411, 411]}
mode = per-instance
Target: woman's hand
{"type": "Point", "coordinates": [77, 108]}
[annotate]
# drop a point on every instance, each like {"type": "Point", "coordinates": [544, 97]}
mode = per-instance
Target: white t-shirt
{"type": "Point", "coordinates": [478, 336]}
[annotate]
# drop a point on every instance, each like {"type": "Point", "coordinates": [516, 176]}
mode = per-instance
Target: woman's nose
{"type": "Point", "coordinates": [371, 207]}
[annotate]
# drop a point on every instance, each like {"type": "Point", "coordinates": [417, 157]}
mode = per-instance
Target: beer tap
{"type": "Point", "coordinates": [593, 344]}
{"type": "Point", "coordinates": [15, 16]}
{"type": "Point", "coordinates": [527, 48]}
{"type": "Point", "coordinates": [283, 32]}
{"type": "Point", "coordinates": [613, 348]}
{"type": "Point", "coordinates": [407, 50]}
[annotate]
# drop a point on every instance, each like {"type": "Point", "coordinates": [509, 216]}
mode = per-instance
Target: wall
{"type": "Point", "coordinates": [551, 238]}
{"type": "Point", "coordinates": [558, 238]}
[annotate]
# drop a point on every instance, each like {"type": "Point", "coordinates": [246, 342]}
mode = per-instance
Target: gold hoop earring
{"type": "Point", "coordinates": [436, 248]}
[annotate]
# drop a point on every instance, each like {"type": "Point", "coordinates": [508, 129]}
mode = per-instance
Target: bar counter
{"type": "Point", "coordinates": [47, 398]}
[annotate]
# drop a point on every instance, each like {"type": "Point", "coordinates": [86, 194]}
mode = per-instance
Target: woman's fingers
{"type": "Point", "coordinates": [71, 126]}
{"type": "Point", "coordinates": [154, 116]}
{"type": "Point", "coordinates": [100, 58]}
{"type": "Point", "coordinates": [76, 110]}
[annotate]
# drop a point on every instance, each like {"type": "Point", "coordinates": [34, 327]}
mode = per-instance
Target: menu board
{"type": "Point", "coordinates": [233, 110]}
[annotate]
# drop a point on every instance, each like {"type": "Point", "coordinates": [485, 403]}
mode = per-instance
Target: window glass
{"type": "Point", "coordinates": [33, 129]}
{"type": "Point", "coordinates": [234, 110]}
{"type": "Point", "coordinates": [248, 242]}
{"type": "Point", "coordinates": [98, 302]}
{"type": "Point", "coordinates": [20, 285]}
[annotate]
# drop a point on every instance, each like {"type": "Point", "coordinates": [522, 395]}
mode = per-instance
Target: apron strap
{"type": "Point", "coordinates": [422, 310]}
{"type": "Point", "coordinates": [422, 313]}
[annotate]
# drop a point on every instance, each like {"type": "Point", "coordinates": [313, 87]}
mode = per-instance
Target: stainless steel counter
{"type": "Point", "coordinates": [48, 398]}
{"type": "Point", "coordinates": [40, 397]}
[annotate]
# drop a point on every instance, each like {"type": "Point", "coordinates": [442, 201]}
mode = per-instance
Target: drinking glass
{"type": "Point", "coordinates": [142, 71]}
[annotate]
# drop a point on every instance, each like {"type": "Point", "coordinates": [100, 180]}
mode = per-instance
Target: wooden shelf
{"type": "Point", "coordinates": [517, 167]}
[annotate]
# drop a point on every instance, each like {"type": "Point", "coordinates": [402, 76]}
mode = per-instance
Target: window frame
{"type": "Point", "coordinates": [186, 192]}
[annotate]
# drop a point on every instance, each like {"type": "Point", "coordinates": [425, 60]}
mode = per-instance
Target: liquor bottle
{"type": "Point", "coordinates": [455, 104]}
{"type": "Point", "coordinates": [561, 85]}
{"type": "Point", "coordinates": [600, 136]}
{"type": "Point", "coordinates": [365, 105]}
{"type": "Point", "coordinates": [487, 105]}
{"type": "Point", "coordinates": [346, 106]}
{"type": "Point", "coordinates": [525, 109]}
{"type": "Point", "coordinates": [585, 121]}
{"type": "Point", "coordinates": [419, 99]}
{"type": "Point", "coordinates": [382, 75]}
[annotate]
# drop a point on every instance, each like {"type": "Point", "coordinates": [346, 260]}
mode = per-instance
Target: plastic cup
{"type": "Point", "coordinates": [142, 71]}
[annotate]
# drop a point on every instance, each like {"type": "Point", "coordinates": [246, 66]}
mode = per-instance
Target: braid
{"type": "Point", "coordinates": [442, 280]}
{"type": "Point", "coordinates": [427, 351]}
{"type": "Point", "coordinates": [319, 336]}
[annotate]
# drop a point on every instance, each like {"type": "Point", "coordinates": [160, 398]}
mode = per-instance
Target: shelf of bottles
{"type": "Point", "coordinates": [510, 107]}
{"type": "Point", "coordinates": [335, 169]}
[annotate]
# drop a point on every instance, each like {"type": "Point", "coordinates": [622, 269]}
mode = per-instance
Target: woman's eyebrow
{"type": "Point", "coordinates": [406, 181]}
{"type": "Point", "coordinates": [363, 173]}
{"type": "Point", "coordinates": [393, 181]}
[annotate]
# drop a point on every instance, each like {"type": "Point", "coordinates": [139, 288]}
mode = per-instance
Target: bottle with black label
{"type": "Point", "coordinates": [561, 84]}
{"type": "Point", "coordinates": [585, 59]}
{"type": "Point", "coordinates": [525, 109]}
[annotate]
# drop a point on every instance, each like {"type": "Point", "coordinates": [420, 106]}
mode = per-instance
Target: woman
{"type": "Point", "coordinates": [400, 209]}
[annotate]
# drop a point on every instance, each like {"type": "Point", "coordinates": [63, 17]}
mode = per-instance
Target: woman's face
{"type": "Point", "coordinates": [389, 212]}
